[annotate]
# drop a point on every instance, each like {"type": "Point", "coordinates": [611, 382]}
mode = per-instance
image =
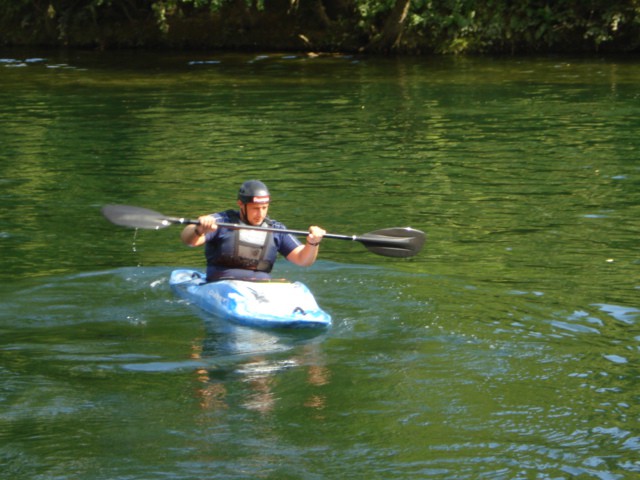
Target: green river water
{"type": "Point", "coordinates": [507, 349]}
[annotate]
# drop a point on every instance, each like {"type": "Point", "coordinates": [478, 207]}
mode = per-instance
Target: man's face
{"type": "Point", "coordinates": [254, 213]}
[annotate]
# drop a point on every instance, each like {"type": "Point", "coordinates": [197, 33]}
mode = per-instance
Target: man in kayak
{"type": "Point", "coordinates": [248, 254]}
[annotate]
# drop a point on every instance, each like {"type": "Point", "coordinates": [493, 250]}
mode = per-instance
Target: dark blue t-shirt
{"type": "Point", "coordinates": [224, 238]}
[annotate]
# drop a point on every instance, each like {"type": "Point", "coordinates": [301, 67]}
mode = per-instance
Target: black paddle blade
{"type": "Point", "coordinates": [394, 242]}
{"type": "Point", "coordinates": [135, 217]}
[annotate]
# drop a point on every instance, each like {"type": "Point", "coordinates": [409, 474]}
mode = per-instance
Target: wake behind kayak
{"type": "Point", "coordinates": [255, 304]}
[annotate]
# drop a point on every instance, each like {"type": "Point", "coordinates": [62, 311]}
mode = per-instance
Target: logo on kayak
{"type": "Point", "coordinates": [258, 296]}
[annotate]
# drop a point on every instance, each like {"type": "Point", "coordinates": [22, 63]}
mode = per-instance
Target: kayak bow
{"type": "Point", "coordinates": [270, 304]}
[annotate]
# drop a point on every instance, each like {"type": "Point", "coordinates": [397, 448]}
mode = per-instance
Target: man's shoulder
{"type": "Point", "coordinates": [284, 238]}
{"type": "Point", "coordinates": [227, 216]}
{"type": "Point", "coordinates": [275, 224]}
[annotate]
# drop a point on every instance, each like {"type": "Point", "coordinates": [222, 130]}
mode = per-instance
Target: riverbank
{"type": "Point", "coordinates": [315, 27]}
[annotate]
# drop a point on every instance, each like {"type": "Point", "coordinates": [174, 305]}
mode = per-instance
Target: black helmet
{"type": "Point", "coordinates": [253, 191]}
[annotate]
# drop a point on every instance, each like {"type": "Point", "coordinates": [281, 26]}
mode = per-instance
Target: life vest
{"type": "Point", "coordinates": [242, 248]}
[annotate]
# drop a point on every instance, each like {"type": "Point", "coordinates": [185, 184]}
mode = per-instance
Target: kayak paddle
{"type": "Point", "coordinates": [390, 242]}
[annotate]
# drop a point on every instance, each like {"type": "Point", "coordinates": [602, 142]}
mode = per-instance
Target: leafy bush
{"type": "Point", "coordinates": [440, 26]}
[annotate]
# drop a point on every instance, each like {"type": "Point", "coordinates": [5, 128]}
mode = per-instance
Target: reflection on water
{"type": "Point", "coordinates": [257, 358]}
{"type": "Point", "coordinates": [259, 373]}
{"type": "Point", "coordinates": [507, 349]}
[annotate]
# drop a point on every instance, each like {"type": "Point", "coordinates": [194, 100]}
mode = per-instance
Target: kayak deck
{"type": "Point", "coordinates": [270, 304]}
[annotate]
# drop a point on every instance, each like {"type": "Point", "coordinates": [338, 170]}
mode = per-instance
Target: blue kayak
{"type": "Point", "coordinates": [263, 304]}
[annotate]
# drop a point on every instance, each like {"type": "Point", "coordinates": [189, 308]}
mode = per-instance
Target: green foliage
{"type": "Point", "coordinates": [441, 26]}
{"type": "Point", "coordinates": [456, 26]}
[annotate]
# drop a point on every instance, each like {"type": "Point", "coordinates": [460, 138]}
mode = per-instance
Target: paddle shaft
{"type": "Point", "coordinates": [235, 226]}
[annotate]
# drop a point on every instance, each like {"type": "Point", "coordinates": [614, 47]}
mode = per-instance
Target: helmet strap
{"type": "Point", "coordinates": [243, 211]}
